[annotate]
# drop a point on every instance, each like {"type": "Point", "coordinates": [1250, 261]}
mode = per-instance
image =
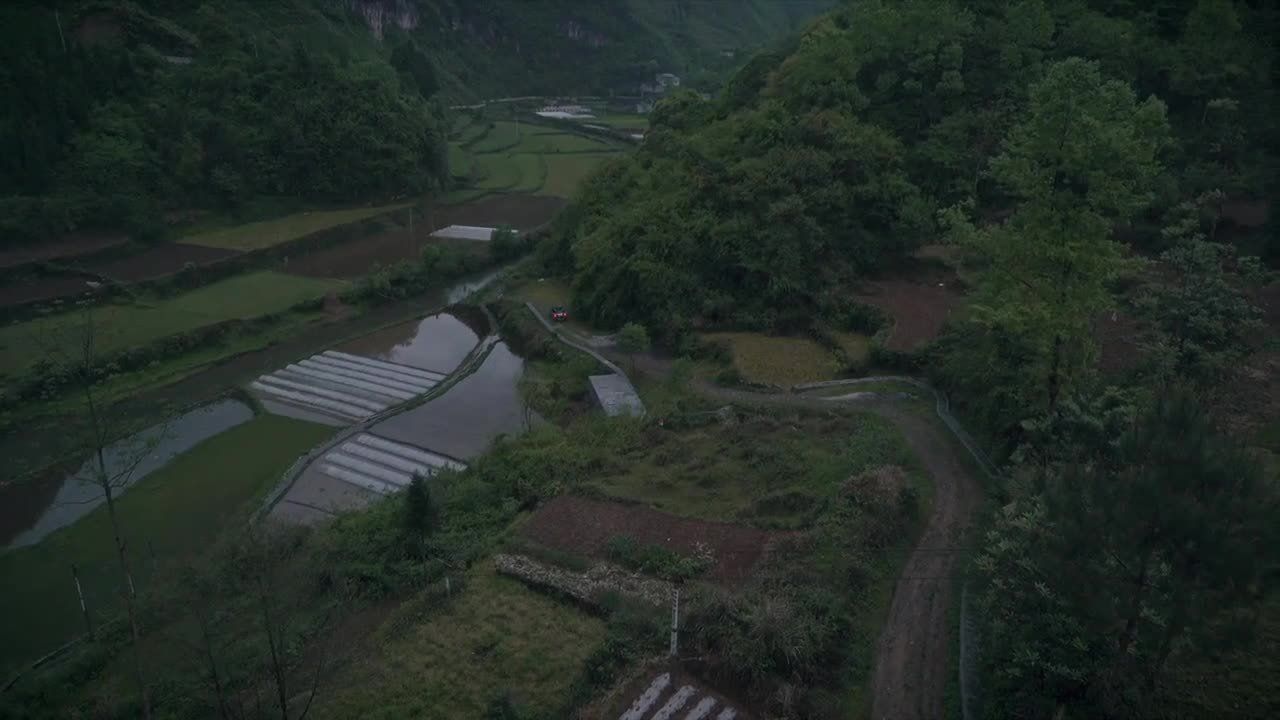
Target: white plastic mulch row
{"type": "Point", "coordinates": [702, 709]}
{"type": "Point", "coordinates": [641, 706]}
{"type": "Point", "coordinates": [345, 386]}
{"type": "Point", "coordinates": [381, 465]}
{"type": "Point", "coordinates": [678, 701]}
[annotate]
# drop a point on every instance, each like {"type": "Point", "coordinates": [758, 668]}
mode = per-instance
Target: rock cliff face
{"type": "Point", "coordinates": [486, 48]}
{"type": "Point", "coordinates": [380, 15]}
{"type": "Point", "coordinates": [576, 30]}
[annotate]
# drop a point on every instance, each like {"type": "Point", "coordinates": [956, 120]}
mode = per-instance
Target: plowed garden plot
{"type": "Point", "coordinates": [66, 247]}
{"type": "Point", "coordinates": [159, 261]}
{"type": "Point", "coordinates": [918, 309]}
{"type": "Point", "coordinates": [357, 257]}
{"type": "Point", "coordinates": [522, 212]}
{"type": "Point", "coordinates": [585, 527]}
{"type": "Point", "coordinates": [37, 289]}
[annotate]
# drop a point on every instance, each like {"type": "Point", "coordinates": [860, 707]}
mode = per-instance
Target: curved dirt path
{"type": "Point", "coordinates": [911, 656]}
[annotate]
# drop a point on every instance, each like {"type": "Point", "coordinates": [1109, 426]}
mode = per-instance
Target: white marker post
{"type": "Point", "coordinates": [675, 622]}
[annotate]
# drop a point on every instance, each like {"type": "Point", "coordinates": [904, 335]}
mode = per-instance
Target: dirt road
{"type": "Point", "coordinates": [911, 661]}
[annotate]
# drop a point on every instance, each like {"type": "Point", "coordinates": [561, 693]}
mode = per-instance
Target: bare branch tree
{"type": "Point", "coordinates": [77, 346]}
{"type": "Point", "coordinates": [268, 562]}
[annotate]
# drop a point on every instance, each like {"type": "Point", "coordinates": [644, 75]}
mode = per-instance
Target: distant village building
{"type": "Point", "coordinates": [661, 85]}
{"type": "Point", "coordinates": [565, 112]}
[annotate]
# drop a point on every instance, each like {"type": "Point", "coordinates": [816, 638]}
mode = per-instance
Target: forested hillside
{"type": "Point", "coordinates": [831, 157]}
{"type": "Point", "coordinates": [118, 112]}
{"type": "Point", "coordinates": [600, 47]}
{"type": "Point", "coordinates": [1084, 165]}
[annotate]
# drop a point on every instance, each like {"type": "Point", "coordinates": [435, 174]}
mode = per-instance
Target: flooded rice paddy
{"type": "Point", "coordinates": [29, 511]}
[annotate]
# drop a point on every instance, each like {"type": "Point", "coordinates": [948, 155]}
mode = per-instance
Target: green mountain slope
{"type": "Point", "coordinates": [498, 47]}
{"type": "Point", "coordinates": [117, 111]}
{"type": "Point", "coordinates": [826, 158]}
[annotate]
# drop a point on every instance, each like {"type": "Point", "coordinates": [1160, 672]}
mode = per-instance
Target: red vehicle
{"type": "Point", "coordinates": [559, 314]}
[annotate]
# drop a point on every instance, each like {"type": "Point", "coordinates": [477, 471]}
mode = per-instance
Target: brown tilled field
{"type": "Point", "coordinates": [159, 261]}
{"type": "Point", "coordinates": [584, 527]}
{"type": "Point", "coordinates": [65, 247]}
{"type": "Point", "coordinates": [357, 257]}
{"type": "Point", "coordinates": [522, 212]}
{"type": "Point", "coordinates": [37, 289]}
{"type": "Point", "coordinates": [156, 262]}
{"type": "Point", "coordinates": [918, 309]}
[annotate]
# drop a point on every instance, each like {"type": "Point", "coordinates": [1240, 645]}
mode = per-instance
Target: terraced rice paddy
{"type": "Point", "coordinates": [342, 388]}
{"type": "Point", "coordinates": [354, 474]}
{"type": "Point", "coordinates": [119, 327]}
{"type": "Point", "coordinates": [258, 235]}
{"type": "Point", "coordinates": [526, 158]}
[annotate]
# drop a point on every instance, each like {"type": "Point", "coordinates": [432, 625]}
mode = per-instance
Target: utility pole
{"type": "Point", "coordinates": [675, 622]}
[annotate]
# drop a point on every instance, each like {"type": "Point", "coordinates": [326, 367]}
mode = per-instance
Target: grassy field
{"type": "Point", "coordinates": [498, 637]}
{"type": "Point", "coordinates": [560, 143]}
{"type": "Point", "coordinates": [526, 158]}
{"type": "Point", "coordinates": [461, 162]}
{"type": "Point", "coordinates": [566, 172]}
{"type": "Point", "coordinates": [857, 347]}
{"type": "Point", "coordinates": [174, 511]}
{"type": "Point", "coordinates": [622, 121]}
{"type": "Point", "coordinates": [763, 470]}
{"type": "Point", "coordinates": [532, 171]}
{"type": "Point", "coordinates": [782, 361]}
{"type": "Point", "coordinates": [118, 327]}
{"type": "Point", "coordinates": [258, 235]}
{"type": "Point", "coordinates": [504, 135]}
{"type": "Point", "coordinates": [497, 172]}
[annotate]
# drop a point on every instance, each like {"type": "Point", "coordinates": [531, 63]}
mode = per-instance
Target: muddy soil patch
{"type": "Point", "coordinates": [356, 258]}
{"type": "Point", "coordinates": [31, 290]}
{"type": "Point", "coordinates": [918, 309]}
{"type": "Point", "coordinates": [585, 526]}
{"type": "Point", "coordinates": [1119, 336]}
{"type": "Point", "coordinates": [353, 259]}
{"type": "Point", "coordinates": [159, 261]}
{"type": "Point", "coordinates": [65, 247]}
{"type": "Point", "coordinates": [522, 212]}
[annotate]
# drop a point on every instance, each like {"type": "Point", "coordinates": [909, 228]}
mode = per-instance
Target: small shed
{"type": "Point", "coordinates": [616, 395]}
{"type": "Point", "coordinates": [465, 232]}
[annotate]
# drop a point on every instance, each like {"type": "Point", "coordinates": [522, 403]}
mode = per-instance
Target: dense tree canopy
{"type": "Point", "coordinates": [827, 159]}
{"type": "Point", "coordinates": [1103, 568]}
{"type": "Point", "coordinates": [112, 132]}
